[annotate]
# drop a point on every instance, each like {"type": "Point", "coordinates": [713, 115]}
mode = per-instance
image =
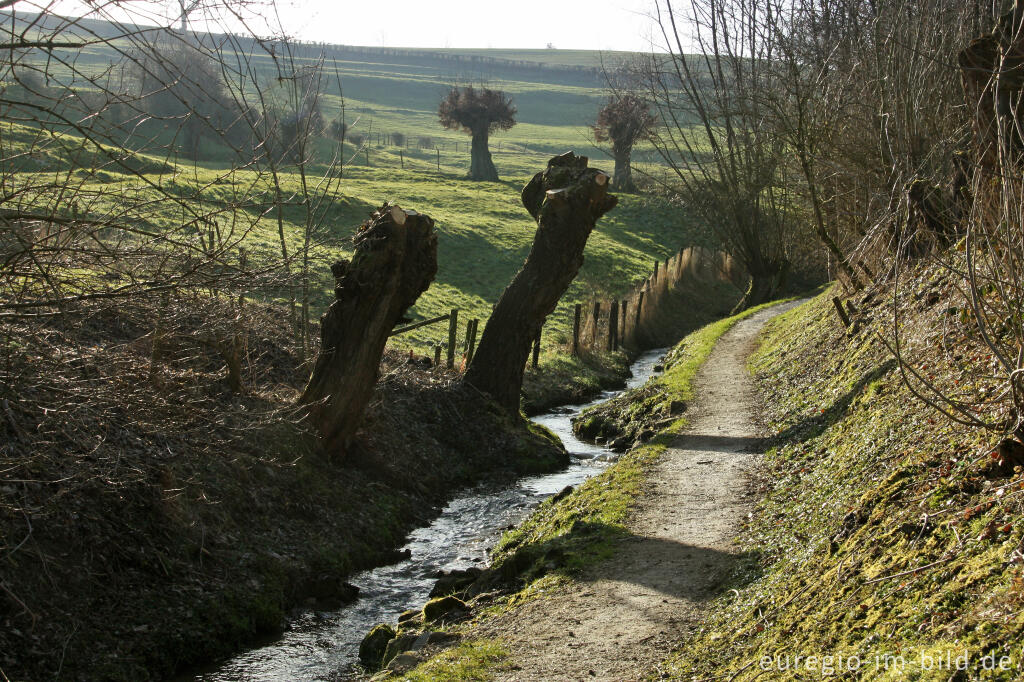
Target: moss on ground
{"type": "Point", "coordinates": [472, 660]}
{"type": "Point", "coordinates": [887, 548]}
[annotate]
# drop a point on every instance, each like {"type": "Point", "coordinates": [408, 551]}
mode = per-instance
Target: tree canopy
{"type": "Point", "coordinates": [624, 120]}
{"type": "Point", "coordinates": [477, 111]}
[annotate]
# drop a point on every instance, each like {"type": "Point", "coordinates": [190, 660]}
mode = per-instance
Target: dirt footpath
{"type": "Point", "coordinates": [624, 615]}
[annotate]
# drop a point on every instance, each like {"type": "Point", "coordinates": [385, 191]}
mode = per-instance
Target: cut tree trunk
{"type": "Point", "coordinates": [481, 167]}
{"type": "Point", "coordinates": [566, 200]}
{"type": "Point", "coordinates": [395, 260]}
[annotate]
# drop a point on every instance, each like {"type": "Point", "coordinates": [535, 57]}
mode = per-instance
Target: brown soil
{"type": "Point", "coordinates": [150, 523]}
{"type": "Point", "coordinates": [622, 617]}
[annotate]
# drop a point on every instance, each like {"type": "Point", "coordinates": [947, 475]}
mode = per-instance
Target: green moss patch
{"type": "Point", "coordinates": [473, 660]}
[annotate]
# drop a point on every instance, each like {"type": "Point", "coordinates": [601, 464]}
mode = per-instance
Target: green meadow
{"type": "Point", "coordinates": [484, 233]}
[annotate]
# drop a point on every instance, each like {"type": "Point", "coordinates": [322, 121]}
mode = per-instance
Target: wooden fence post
{"type": "Point", "coordinates": [622, 314]}
{"type": "Point", "coordinates": [655, 275]}
{"type": "Point", "coordinates": [639, 307]}
{"type": "Point", "coordinates": [438, 160]}
{"type": "Point", "coordinates": [597, 316]}
{"type": "Point", "coordinates": [841, 312]}
{"type": "Point", "coordinates": [437, 355]}
{"type": "Point", "coordinates": [453, 332]}
{"type": "Point", "coordinates": [613, 325]}
{"type": "Point", "coordinates": [576, 329]}
{"type": "Point", "coordinates": [401, 157]}
{"type": "Point", "coordinates": [471, 340]}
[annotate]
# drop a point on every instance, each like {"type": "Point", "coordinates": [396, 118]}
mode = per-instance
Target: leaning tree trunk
{"type": "Point", "coordinates": [481, 167]}
{"type": "Point", "coordinates": [566, 200]}
{"type": "Point", "coordinates": [623, 180]}
{"type": "Point", "coordinates": [394, 262]}
{"type": "Point", "coordinates": [766, 281]}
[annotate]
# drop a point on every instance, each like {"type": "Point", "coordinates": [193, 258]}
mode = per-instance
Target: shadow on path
{"type": "Point", "coordinates": [715, 443]}
{"type": "Point", "coordinates": [671, 568]}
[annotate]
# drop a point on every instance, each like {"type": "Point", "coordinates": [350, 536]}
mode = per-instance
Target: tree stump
{"type": "Point", "coordinates": [566, 200]}
{"type": "Point", "coordinates": [395, 260]}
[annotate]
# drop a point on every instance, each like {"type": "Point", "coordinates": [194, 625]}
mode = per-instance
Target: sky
{"type": "Point", "coordinates": [566, 24]}
{"type": "Point", "coordinates": [522, 24]}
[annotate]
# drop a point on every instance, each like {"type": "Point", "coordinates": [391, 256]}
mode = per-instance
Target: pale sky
{"type": "Point", "coordinates": [567, 24]}
{"type": "Point", "coordinates": [524, 24]}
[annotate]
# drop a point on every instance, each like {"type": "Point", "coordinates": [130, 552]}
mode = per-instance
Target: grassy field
{"type": "Point", "coordinates": [485, 234]}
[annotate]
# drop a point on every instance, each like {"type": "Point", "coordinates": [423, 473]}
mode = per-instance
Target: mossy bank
{"type": "Point", "coordinates": [889, 544]}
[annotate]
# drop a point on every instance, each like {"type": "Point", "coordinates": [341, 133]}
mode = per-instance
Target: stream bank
{"type": "Point", "coordinates": [322, 644]}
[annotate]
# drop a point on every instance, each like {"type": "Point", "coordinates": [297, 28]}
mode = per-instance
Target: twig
{"type": "Point", "coordinates": [737, 673]}
{"type": "Point", "coordinates": [10, 418]}
{"type": "Point", "coordinates": [16, 598]}
{"type": "Point", "coordinates": [903, 573]}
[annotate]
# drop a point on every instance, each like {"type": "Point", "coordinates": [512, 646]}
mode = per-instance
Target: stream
{"type": "Point", "coordinates": [323, 645]}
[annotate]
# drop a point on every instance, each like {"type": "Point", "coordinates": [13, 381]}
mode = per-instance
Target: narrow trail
{"type": "Point", "coordinates": [625, 614]}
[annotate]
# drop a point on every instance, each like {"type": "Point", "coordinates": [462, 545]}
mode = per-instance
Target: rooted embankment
{"type": "Point", "coordinates": [606, 577]}
{"type": "Point", "coordinates": [152, 519]}
{"type": "Point", "coordinates": [888, 542]}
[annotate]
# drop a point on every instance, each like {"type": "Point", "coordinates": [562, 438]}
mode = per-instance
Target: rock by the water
{"type": "Point", "coordinates": [374, 644]}
{"type": "Point", "coordinates": [404, 662]}
{"type": "Point", "coordinates": [406, 616]}
{"type": "Point", "coordinates": [327, 590]}
{"type": "Point", "coordinates": [398, 645]}
{"type": "Point", "coordinates": [450, 582]}
{"type": "Point", "coordinates": [562, 494]}
{"type": "Point", "coordinates": [444, 608]}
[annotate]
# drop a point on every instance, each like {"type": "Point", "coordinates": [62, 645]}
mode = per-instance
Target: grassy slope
{"type": "Point", "coordinates": [882, 532]}
{"type": "Point", "coordinates": [484, 232]}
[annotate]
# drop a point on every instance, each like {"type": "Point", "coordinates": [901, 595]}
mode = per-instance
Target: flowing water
{"type": "Point", "coordinates": [323, 645]}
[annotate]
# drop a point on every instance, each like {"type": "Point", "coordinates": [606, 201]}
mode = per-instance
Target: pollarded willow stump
{"type": "Point", "coordinates": [566, 200]}
{"type": "Point", "coordinates": [395, 260]}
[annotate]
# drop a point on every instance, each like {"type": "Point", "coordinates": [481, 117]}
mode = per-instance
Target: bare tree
{"type": "Point", "coordinates": [624, 120]}
{"type": "Point", "coordinates": [478, 112]}
{"type": "Point", "coordinates": [728, 166]}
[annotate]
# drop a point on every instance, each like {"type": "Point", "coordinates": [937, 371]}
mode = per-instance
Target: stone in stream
{"type": "Point", "coordinates": [374, 644]}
